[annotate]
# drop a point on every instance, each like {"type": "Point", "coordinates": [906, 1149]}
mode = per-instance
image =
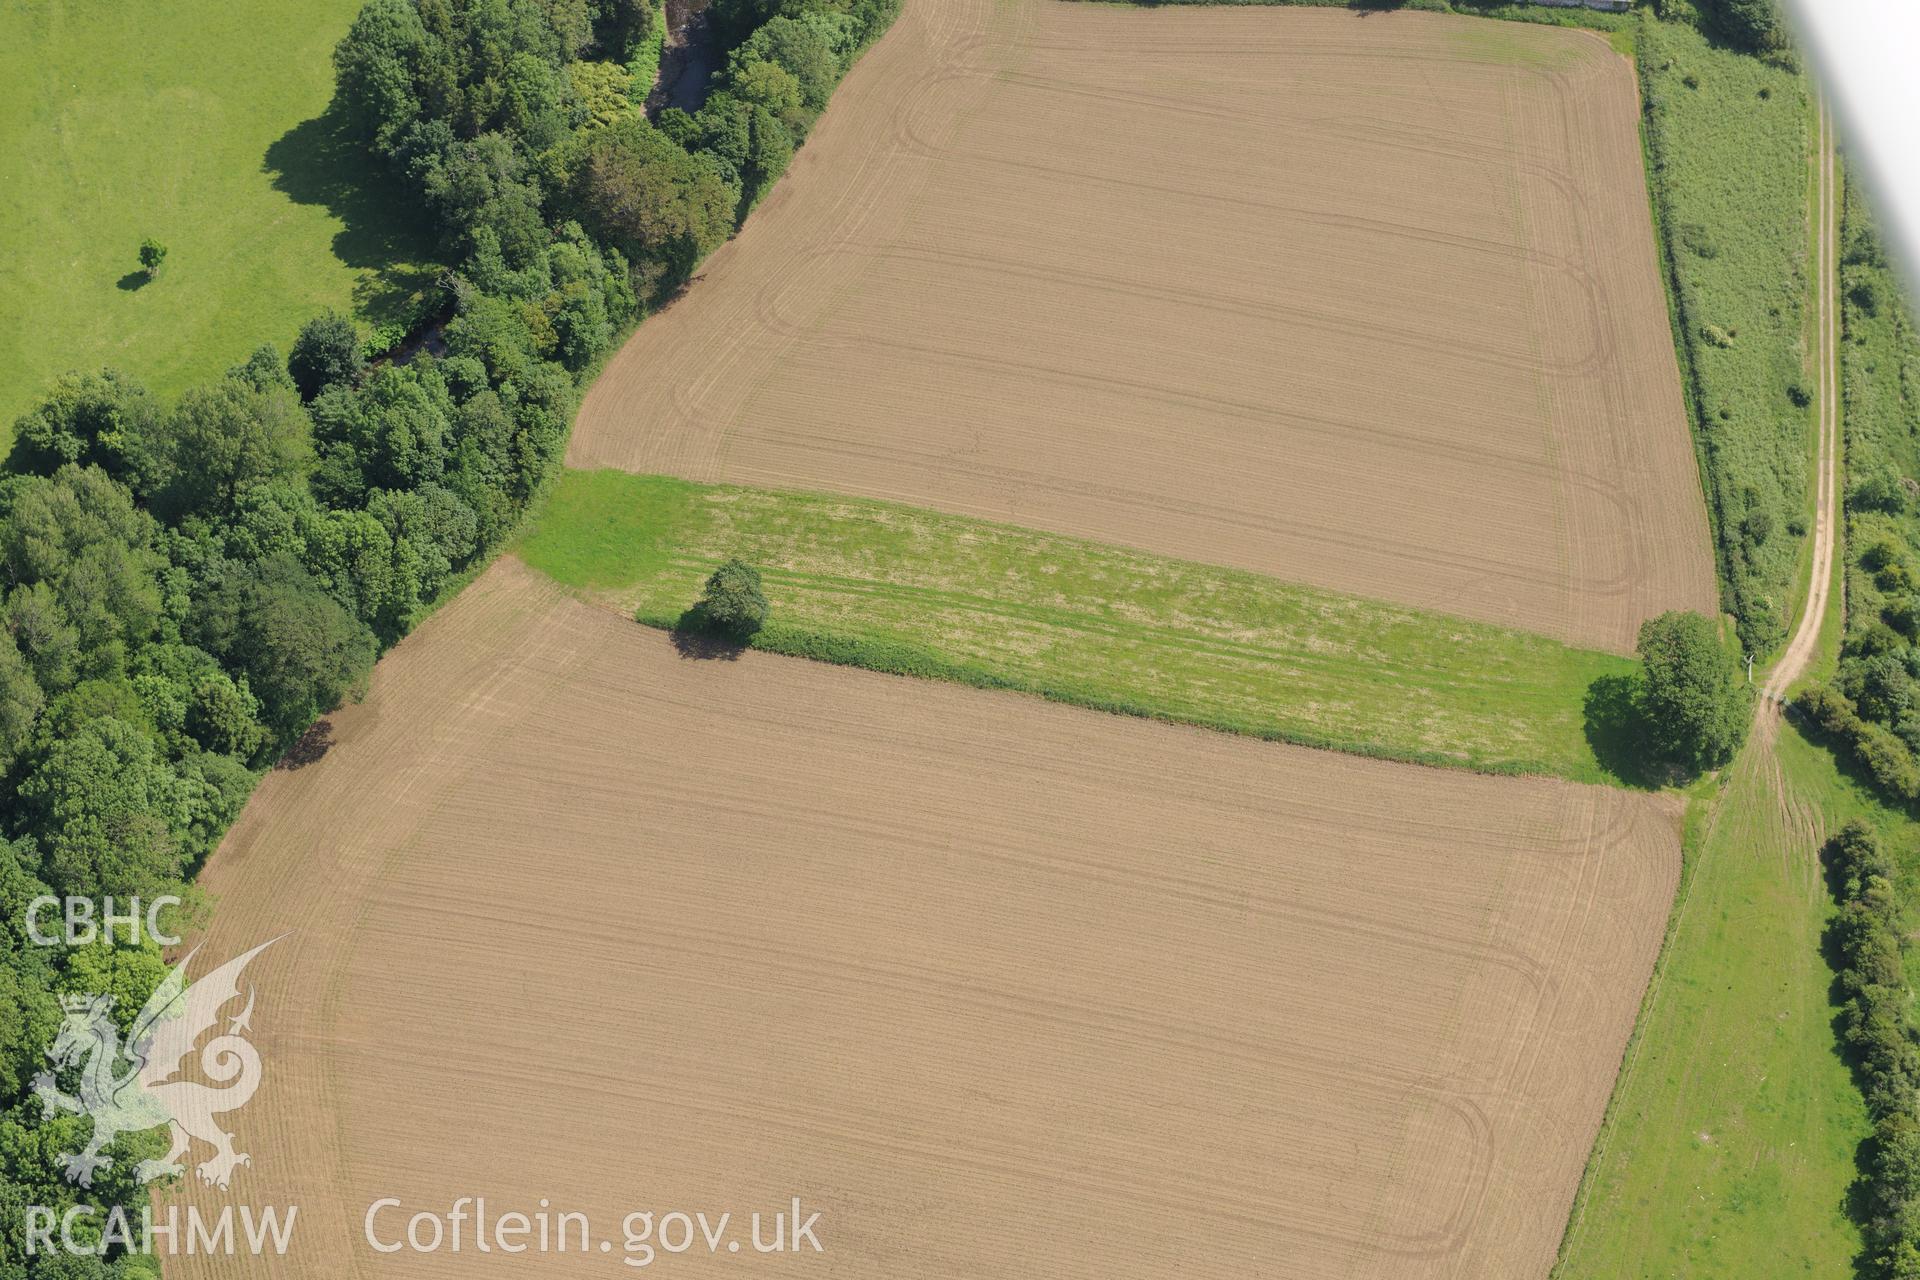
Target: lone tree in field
{"type": "Point", "coordinates": [1693, 702]}
{"type": "Point", "coordinates": [327, 351]}
{"type": "Point", "coordinates": [734, 602]}
{"type": "Point", "coordinates": [152, 254]}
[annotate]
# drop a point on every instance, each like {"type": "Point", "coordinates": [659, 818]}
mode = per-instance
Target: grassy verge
{"type": "Point", "coordinates": [900, 589]}
{"type": "Point", "coordinates": [202, 126]}
{"type": "Point", "coordinates": [1732, 1140]}
{"type": "Point", "coordinates": [1728, 138]}
{"type": "Point", "coordinates": [1618, 28]}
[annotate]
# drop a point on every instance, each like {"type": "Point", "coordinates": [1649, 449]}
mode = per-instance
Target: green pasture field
{"type": "Point", "coordinates": [1731, 1145]}
{"type": "Point", "coordinates": [203, 126]}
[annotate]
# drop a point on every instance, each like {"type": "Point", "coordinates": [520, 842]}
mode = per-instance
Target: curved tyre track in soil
{"type": "Point", "coordinates": [1368, 302]}
{"type": "Point", "coordinates": [1002, 988]}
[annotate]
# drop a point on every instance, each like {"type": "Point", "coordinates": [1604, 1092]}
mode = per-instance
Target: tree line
{"type": "Point", "coordinates": [186, 587]}
{"type": "Point", "coordinates": [1873, 704]}
{"type": "Point", "coordinates": [1877, 1025]}
{"type": "Point", "coordinates": [507, 119]}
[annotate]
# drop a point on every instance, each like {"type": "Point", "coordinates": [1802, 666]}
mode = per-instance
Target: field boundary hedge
{"type": "Point", "coordinates": [1876, 748]}
{"type": "Point", "coordinates": [1878, 1029]}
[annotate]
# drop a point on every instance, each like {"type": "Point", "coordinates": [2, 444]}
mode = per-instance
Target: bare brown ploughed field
{"type": "Point", "coordinates": [1001, 988]}
{"type": "Point", "coordinates": [1363, 301]}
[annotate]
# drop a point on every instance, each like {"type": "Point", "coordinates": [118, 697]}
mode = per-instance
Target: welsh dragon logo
{"type": "Point", "coordinates": [130, 1088]}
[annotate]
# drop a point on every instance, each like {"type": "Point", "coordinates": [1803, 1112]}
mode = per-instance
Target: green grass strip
{"type": "Point", "coordinates": [1728, 140]}
{"type": "Point", "coordinates": [915, 592]}
{"type": "Point", "coordinates": [1730, 1146]}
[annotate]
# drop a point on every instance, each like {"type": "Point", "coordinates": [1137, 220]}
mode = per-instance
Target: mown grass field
{"type": "Point", "coordinates": [876, 584]}
{"type": "Point", "coordinates": [1729, 137]}
{"type": "Point", "coordinates": [1731, 1144]}
{"type": "Point", "coordinates": [201, 125]}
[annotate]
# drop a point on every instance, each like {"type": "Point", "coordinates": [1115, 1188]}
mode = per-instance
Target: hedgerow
{"type": "Point", "coordinates": [1880, 389]}
{"type": "Point", "coordinates": [1877, 1025]}
{"type": "Point", "coordinates": [1889, 761]}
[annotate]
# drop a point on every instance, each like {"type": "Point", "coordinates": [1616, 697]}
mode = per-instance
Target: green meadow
{"type": "Point", "coordinates": [203, 126]}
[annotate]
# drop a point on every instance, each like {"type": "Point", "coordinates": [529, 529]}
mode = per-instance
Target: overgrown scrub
{"type": "Point", "coordinates": [1880, 388]}
{"type": "Point", "coordinates": [185, 587]}
{"type": "Point", "coordinates": [1753, 25]}
{"type": "Point", "coordinates": [1869, 938]}
{"type": "Point", "coordinates": [643, 68]}
{"type": "Point", "coordinates": [917, 592]}
{"type": "Point", "coordinates": [1728, 137]}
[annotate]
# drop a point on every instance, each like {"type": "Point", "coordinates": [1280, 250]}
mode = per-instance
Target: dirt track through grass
{"type": "Point", "coordinates": [1002, 988]}
{"type": "Point", "coordinates": [1801, 647]}
{"type": "Point", "coordinates": [1368, 302]}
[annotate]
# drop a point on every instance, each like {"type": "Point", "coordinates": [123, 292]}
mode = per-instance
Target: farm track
{"type": "Point", "coordinates": [1000, 987]}
{"type": "Point", "coordinates": [1799, 653]}
{"type": "Point", "coordinates": [1046, 264]}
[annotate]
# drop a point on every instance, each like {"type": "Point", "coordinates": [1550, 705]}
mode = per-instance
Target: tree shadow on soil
{"type": "Point", "coordinates": [695, 637]}
{"type": "Point", "coordinates": [321, 162]}
{"type": "Point", "coordinates": [311, 747]}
